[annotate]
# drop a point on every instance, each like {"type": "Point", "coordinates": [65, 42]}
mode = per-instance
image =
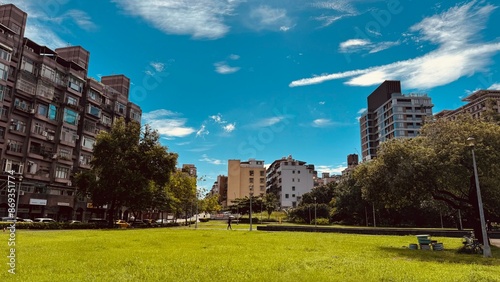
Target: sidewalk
{"type": "Point", "coordinates": [495, 242]}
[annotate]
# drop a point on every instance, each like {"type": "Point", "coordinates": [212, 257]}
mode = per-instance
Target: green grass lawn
{"type": "Point", "coordinates": [211, 253]}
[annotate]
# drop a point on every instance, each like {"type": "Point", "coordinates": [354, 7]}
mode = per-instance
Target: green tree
{"type": "Point", "coordinates": [437, 166]}
{"type": "Point", "coordinates": [182, 192]}
{"type": "Point", "coordinates": [126, 169]}
{"type": "Point", "coordinates": [271, 203]}
{"type": "Point", "coordinates": [210, 203]}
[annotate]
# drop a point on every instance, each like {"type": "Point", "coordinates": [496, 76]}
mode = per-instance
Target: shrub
{"type": "Point", "coordinates": [322, 221]}
{"type": "Point", "coordinates": [204, 219]}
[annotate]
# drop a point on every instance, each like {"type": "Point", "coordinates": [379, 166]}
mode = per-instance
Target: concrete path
{"type": "Point", "coordinates": [495, 242]}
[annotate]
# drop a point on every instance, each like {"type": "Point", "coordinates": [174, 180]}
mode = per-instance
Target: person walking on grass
{"type": "Point", "coordinates": [229, 219]}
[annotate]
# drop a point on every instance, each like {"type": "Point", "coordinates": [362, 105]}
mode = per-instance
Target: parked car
{"type": "Point", "coordinates": [27, 220]}
{"type": "Point", "coordinates": [44, 219]}
{"type": "Point", "coordinates": [163, 221]}
{"type": "Point", "coordinates": [138, 224]}
{"type": "Point", "coordinates": [150, 223]}
{"type": "Point", "coordinates": [74, 221]}
{"type": "Point", "coordinates": [99, 222]}
{"type": "Point", "coordinates": [120, 223]}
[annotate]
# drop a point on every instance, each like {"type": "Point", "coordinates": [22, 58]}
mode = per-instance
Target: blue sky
{"type": "Point", "coordinates": [240, 79]}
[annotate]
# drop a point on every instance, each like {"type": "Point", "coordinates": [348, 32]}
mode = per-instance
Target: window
{"type": "Point", "coordinates": [93, 95]}
{"type": "Point", "coordinates": [17, 125]}
{"type": "Point", "coordinates": [85, 159]}
{"type": "Point", "coordinates": [293, 171]}
{"type": "Point", "coordinates": [15, 146]}
{"type": "Point", "coordinates": [2, 92]}
{"type": "Point", "coordinates": [298, 179]}
{"type": "Point", "coordinates": [93, 110]}
{"type": "Point", "coordinates": [106, 120]}
{"type": "Point", "coordinates": [293, 179]}
{"type": "Point", "coordinates": [62, 172]}
{"type": "Point", "coordinates": [293, 195]}
{"type": "Point", "coordinates": [52, 112]}
{"type": "Point", "coordinates": [2, 132]}
{"type": "Point", "coordinates": [250, 180]}
{"type": "Point", "coordinates": [36, 148]}
{"type": "Point", "coordinates": [262, 173]}
{"type": "Point", "coordinates": [293, 188]}
{"type": "Point", "coordinates": [65, 154]}
{"type": "Point", "coordinates": [4, 71]}
{"type": "Point", "coordinates": [286, 196]}
{"type": "Point", "coordinates": [48, 73]}
{"type": "Point", "coordinates": [70, 117]}
{"type": "Point", "coordinates": [28, 65]}
{"type": "Point", "coordinates": [4, 54]}
{"type": "Point", "coordinates": [60, 78]}
{"type": "Point", "coordinates": [38, 128]}
{"type": "Point", "coordinates": [10, 165]}
{"type": "Point", "coordinates": [68, 135]}
{"type": "Point", "coordinates": [262, 188]}
{"type": "Point", "coordinates": [43, 110]}
{"type": "Point", "coordinates": [89, 126]}
{"type": "Point", "coordinates": [75, 84]}
{"type": "Point", "coordinates": [251, 172]}
{"type": "Point", "coordinates": [135, 115]}
{"type": "Point", "coordinates": [298, 171]}
{"type": "Point", "coordinates": [22, 105]}
{"type": "Point", "coordinates": [120, 108]}
{"type": "Point", "coordinates": [88, 142]}
{"type": "Point", "coordinates": [72, 101]}
{"type": "Point", "coordinates": [262, 180]}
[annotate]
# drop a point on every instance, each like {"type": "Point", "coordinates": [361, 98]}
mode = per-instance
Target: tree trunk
{"type": "Point", "coordinates": [474, 219]}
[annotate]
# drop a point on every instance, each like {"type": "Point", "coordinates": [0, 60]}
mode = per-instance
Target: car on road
{"type": "Point", "coordinates": [120, 223]}
{"type": "Point", "coordinates": [163, 221]}
{"type": "Point", "coordinates": [11, 219]}
{"type": "Point", "coordinates": [99, 222]}
{"type": "Point", "coordinates": [74, 221]}
{"type": "Point", "coordinates": [44, 219]}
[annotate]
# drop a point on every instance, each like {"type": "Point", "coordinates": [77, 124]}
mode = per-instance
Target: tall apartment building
{"type": "Point", "coordinates": [477, 104]}
{"type": "Point", "coordinates": [288, 179]}
{"type": "Point", "coordinates": [391, 114]}
{"type": "Point", "coordinates": [352, 162]}
{"type": "Point", "coordinates": [245, 177]}
{"type": "Point", "coordinates": [50, 115]}
{"type": "Point", "coordinates": [190, 169]}
{"type": "Point", "coordinates": [220, 188]}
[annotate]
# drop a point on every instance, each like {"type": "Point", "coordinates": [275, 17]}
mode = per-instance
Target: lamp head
{"type": "Point", "coordinates": [471, 142]}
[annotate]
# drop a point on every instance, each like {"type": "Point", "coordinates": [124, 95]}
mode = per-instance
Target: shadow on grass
{"type": "Point", "coordinates": [446, 256]}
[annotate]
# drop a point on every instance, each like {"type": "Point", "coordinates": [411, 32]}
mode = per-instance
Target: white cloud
{"type": "Point", "coordinates": [205, 158]}
{"type": "Point", "coordinates": [202, 131]}
{"type": "Point", "coordinates": [234, 57]}
{"type": "Point", "coordinates": [362, 110]}
{"type": "Point", "coordinates": [82, 20]}
{"type": "Point", "coordinates": [357, 45]}
{"type": "Point", "coordinates": [330, 169]}
{"type": "Point", "coordinates": [495, 86]}
{"type": "Point", "coordinates": [322, 122]}
{"type": "Point", "coordinates": [224, 68]}
{"type": "Point", "coordinates": [328, 20]}
{"type": "Point", "coordinates": [269, 121]}
{"type": "Point", "coordinates": [342, 6]}
{"type": "Point", "coordinates": [159, 67]}
{"type": "Point", "coordinates": [218, 118]}
{"type": "Point", "coordinates": [458, 53]}
{"type": "Point", "coordinates": [353, 43]}
{"type": "Point", "coordinates": [167, 123]}
{"type": "Point", "coordinates": [230, 127]}
{"type": "Point", "coordinates": [198, 18]}
{"type": "Point", "coordinates": [265, 17]}
{"type": "Point", "coordinates": [322, 102]}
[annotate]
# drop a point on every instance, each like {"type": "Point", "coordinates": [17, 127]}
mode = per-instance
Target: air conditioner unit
{"type": "Point", "coordinates": [21, 193]}
{"type": "Point", "coordinates": [44, 133]}
{"type": "Point", "coordinates": [54, 156]}
{"type": "Point", "coordinates": [32, 111]}
{"type": "Point", "coordinates": [50, 137]}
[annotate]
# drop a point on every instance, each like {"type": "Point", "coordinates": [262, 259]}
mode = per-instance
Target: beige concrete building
{"type": "Point", "coordinates": [476, 105]}
{"type": "Point", "coordinates": [243, 177]}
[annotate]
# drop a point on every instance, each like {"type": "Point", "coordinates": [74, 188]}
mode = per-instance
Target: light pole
{"type": "Point", "coordinates": [20, 178]}
{"type": "Point", "coordinates": [251, 195]}
{"type": "Point", "coordinates": [486, 245]}
{"type": "Point", "coordinates": [196, 222]}
{"type": "Point", "coordinates": [315, 222]}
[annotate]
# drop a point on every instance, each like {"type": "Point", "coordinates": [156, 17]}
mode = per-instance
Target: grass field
{"type": "Point", "coordinates": [211, 253]}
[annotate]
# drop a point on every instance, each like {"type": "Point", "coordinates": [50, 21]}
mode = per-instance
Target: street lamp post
{"type": "Point", "coordinates": [196, 222]}
{"type": "Point", "coordinates": [486, 245]}
{"type": "Point", "coordinates": [251, 195]}
{"type": "Point", "coordinates": [315, 221]}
